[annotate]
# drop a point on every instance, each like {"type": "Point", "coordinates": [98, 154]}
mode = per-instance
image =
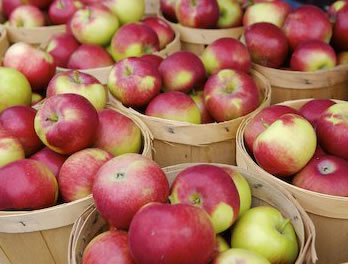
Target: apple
{"type": "Point", "coordinates": [66, 123]}
{"type": "Point", "coordinates": [134, 82]}
{"type": "Point", "coordinates": [335, 8]}
{"type": "Point", "coordinates": [171, 234]}
{"type": "Point", "coordinates": [226, 53]}
{"type": "Point", "coordinates": [164, 32]}
{"type": "Point", "coordinates": [14, 89]}
{"type": "Point", "coordinates": [267, 233]}
{"type": "Point", "coordinates": [198, 98]}
{"type": "Point", "coordinates": [35, 98]}
{"type": "Point", "coordinates": [267, 44]}
{"type": "Point", "coordinates": [230, 94]}
{"type": "Point", "coordinates": [127, 10]}
{"type": "Point", "coordinates": [307, 22]}
{"type": "Point", "coordinates": [89, 57]}
{"type": "Point", "coordinates": [197, 14]}
{"type": "Point", "coordinates": [319, 152]}
{"type": "Point", "coordinates": [37, 65]}
{"type": "Point", "coordinates": [27, 184]}
{"type": "Point", "coordinates": [286, 146]}
{"type": "Point", "coordinates": [7, 6]}
{"type": "Point", "coordinates": [42, 4]}
{"type": "Point", "coordinates": [79, 83]}
{"type": "Point", "coordinates": [193, 186]}
{"type": "Point", "coordinates": [94, 25]}
{"type": "Point", "coordinates": [153, 59]}
{"type": "Point", "coordinates": [61, 11]}
{"type": "Point", "coordinates": [174, 106]}
{"type": "Point", "coordinates": [182, 72]}
{"type": "Point", "coordinates": [11, 148]}
{"type": "Point", "coordinates": [221, 244]}
{"type": "Point", "coordinates": [127, 139]}
{"type": "Point", "coordinates": [27, 16]}
{"type": "Point", "coordinates": [314, 108]}
{"type": "Point", "coordinates": [108, 247]}
{"type": "Point", "coordinates": [239, 255]}
{"type": "Point", "coordinates": [51, 159]}
{"type": "Point", "coordinates": [332, 130]}
{"type": "Point", "coordinates": [231, 14]}
{"type": "Point", "coordinates": [134, 40]}
{"type": "Point", "coordinates": [342, 58]}
{"type": "Point", "coordinates": [116, 189]}
{"type": "Point", "coordinates": [340, 35]}
{"type": "Point", "coordinates": [90, 2]}
{"type": "Point", "coordinates": [167, 8]}
{"type": "Point", "coordinates": [313, 55]}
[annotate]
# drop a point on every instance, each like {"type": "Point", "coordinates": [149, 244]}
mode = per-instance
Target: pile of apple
{"type": "Point", "coordinates": [131, 193]}
{"type": "Point", "coordinates": [308, 148]}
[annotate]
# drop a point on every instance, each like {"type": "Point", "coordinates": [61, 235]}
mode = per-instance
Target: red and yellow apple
{"type": "Point", "coordinates": [27, 16]}
{"type": "Point", "coordinates": [236, 255]}
{"type": "Point", "coordinates": [164, 32]}
{"type": "Point", "coordinates": [51, 159]}
{"type": "Point", "coordinates": [314, 108]}
{"type": "Point", "coordinates": [61, 11]}
{"type": "Point", "coordinates": [198, 97]}
{"type": "Point", "coordinates": [11, 148]}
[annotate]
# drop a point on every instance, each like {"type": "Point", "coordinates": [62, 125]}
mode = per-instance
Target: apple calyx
{"type": "Point", "coordinates": [230, 88]}
{"type": "Point", "coordinates": [60, 5]}
{"type": "Point", "coordinates": [193, 3]}
{"type": "Point", "coordinates": [325, 167]}
{"type": "Point", "coordinates": [128, 70]}
{"type": "Point", "coordinates": [196, 199]}
{"type": "Point", "coordinates": [53, 118]}
{"type": "Point", "coordinates": [76, 77]}
{"type": "Point", "coordinates": [118, 176]}
{"type": "Point", "coordinates": [282, 227]}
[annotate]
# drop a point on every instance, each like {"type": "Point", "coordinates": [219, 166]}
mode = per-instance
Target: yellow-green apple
{"type": "Point", "coordinates": [94, 25]}
{"type": "Point", "coordinates": [27, 184]}
{"type": "Point", "coordinates": [168, 9]}
{"type": "Point", "coordinates": [286, 146]}
{"type": "Point", "coordinates": [174, 106]}
{"type": "Point", "coordinates": [61, 47]}
{"type": "Point", "coordinates": [11, 148]}
{"type": "Point", "coordinates": [265, 231]}
{"type": "Point", "coordinates": [230, 94]}
{"type": "Point", "coordinates": [226, 53]}
{"type": "Point", "coordinates": [153, 59]}
{"type": "Point", "coordinates": [39, 66]}
{"type": "Point", "coordinates": [171, 234]}
{"type": "Point", "coordinates": [230, 14]}
{"type": "Point", "coordinates": [342, 58]}
{"type": "Point", "coordinates": [79, 83]}
{"type": "Point", "coordinates": [134, 40]}
{"type": "Point", "coordinates": [14, 89]}
{"type": "Point", "coordinates": [239, 255]}
{"type": "Point", "coordinates": [197, 14]}
{"type": "Point", "coordinates": [324, 174]}
{"type": "Point", "coordinates": [19, 122]}
{"type": "Point", "coordinates": [66, 123]}
{"type": "Point", "coordinates": [164, 32]}
{"type": "Point", "coordinates": [126, 10]}
{"type": "Point", "coordinates": [193, 186]}
{"type": "Point", "coordinates": [340, 35]}
{"type": "Point", "coordinates": [61, 11]}
{"type": "Point", "coordinates": [335, 8]}
{"type": "Point", "coordinates": [27, 16]}
{"type": "Point", "coordinates": [313, 55]}
{"type": "Point", "coordinates": [221, 244]}
{"type": "Point", "coordinates": [314, 108]}
{"type": "Point", "coordinates": [108, 247]}
{"type": "Point", "coordinates": [35, 98]}
{"type": "Point", "coordinates": [274, 12]}
{"type": "Point", "coordinates": [116, 189]}
{"type": "Point", "coordinates": [134, 82]}
{"type": "Point", "coordinates": [267, 44]}
{"type": "Point", "coordinates": [88, 57]}
{"type": "Point", "coordinates": [51, 159]}
{"type": "Point", "coordinates": [126, 140]}
{"type": "Point", "coordinates": [198, 97]}
{"type": "Point", "coordinates": [7, 6]}
{"type": "Point", "coordinates": [305, 23]}
{"type": "Point", "coordinates": [182, 72]}
{"type": "Point", "coordinates": [77, 174]}
{"type": "Point", "coordinates": [332, 130]}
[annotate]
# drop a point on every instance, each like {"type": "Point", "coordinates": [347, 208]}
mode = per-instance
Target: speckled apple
{"type": "Point", "coordinates": [11, 148]}
{"type": "Point", "coordinates": [314, 108]}
{"type": "Point", "coordinates": [61, 11]}
{"type": "Point", "coordinates": [51, 159]}
{"type": "Point", "coordinates": [164, 32]}
{"type": "Point", "coordinates": [153, 59]}
{"type": "Point", "coordinates": [27, 16]}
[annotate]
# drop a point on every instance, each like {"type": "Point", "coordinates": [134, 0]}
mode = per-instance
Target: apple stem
{"type": "Point", "coordinates": [76, 77]}
{"type": "Point", "coordinates": [283, 226]}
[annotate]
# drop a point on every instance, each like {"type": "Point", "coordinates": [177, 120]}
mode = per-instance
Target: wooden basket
{"type": "Point", "coordinates": [329, 213]}
{"type": "Point", "coordinates": [91, 223]}
{"type": "Point", "coordinates": [41, 236]}
{"type": "Point", "coordinates": [293, 85]}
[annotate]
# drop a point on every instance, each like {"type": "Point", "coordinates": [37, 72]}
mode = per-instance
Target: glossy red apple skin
{"type": "Point", "coordinates": [267, 44]}
{"type": "Point", "coordinates": [154, 236]}
{"type": "Point", "coordinates": [7, 6]}
{"type": "Point", "coordinates": [42, 4]}
{"type": "Point", "coordinates": [319, 152]}
{"type": "Point", "coordinates": [164, 32]}
{"type": "Point", "coordinates": [153, 59]}
{"type": "Point", "coordinates": [61, 11]}
{"type": "Point", "coordinates": [198, 97]}
{"type": "Point", "coordinates": [35, 185]}
{"type": "Point", "coordinates": [340, 36]}
{"type": "Point", "coordinates": [314, 108]}
{"type": "Point", "coordinates": [324, 174]}
{"type": "Point", "coordinates": [51, 159]}
{"type": "Point", "coordinates": [168, 9]}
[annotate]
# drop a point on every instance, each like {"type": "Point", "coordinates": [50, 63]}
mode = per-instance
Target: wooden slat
{"type": "Point", "coordinates": [3, 257]}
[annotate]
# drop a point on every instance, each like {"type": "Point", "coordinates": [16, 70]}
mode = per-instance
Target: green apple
{"type": "Point", "coordinates": [239, 256]}
{"type": "Point", "coordinates": [127, 10]}
{"type": "Point", "coordinates": [221, 244]}
{"type": "Point", "coordinates": [231, 14]}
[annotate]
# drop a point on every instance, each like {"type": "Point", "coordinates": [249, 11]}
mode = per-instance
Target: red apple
{"type": "Point", "coordinates": [7, 6]}
{"type": "Point", "coordinates": [61, 11]}
{"type": "Point", "coordinates": [27, 16]}
{"type": "Point", "coordinates": [340, 36]}
{"type": "Point", "coordinates": [42, 4]}
{"type": "Point", "coordinates": [314, 108]}
{"type": "Point", "coordinates": [90, 2]}
{"type": "Point", "coordinates": [154, 60]}
{"type": "Point", "coordinates": [27, 184]}
{"type": "Point", "coordinates": [198, 97]}
{"type": "Point", "coordinates": [335, 8]}
{"type": "Point", "coordinates": [116, 189]}
{"type": "Point", "coordinates": [11, 148]}
{"type": "Point", "coordinates": [342, 58]}
{"type": "Point", "coordinates": [168, 9]}
{"type": "Point", "coordinates": [164, 32]}
{"type": "Point", "coordinates": [230, 14]}
{"type": "Point", "coordinates": [319, 152]}
{"type": "Point", "coordinates": [51, 159]}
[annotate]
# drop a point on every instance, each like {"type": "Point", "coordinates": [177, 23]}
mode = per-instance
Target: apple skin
{"type": "Point", "coordinates": [36, 186]}
{"type": "Point", "coordinates": [335, 8]}
{"type": "Point", "coordinates": [7, 6]}
{"type": "Point", "coordinates": [79, 83]}
{"type": "Point", "coordinates": [134, 82]}
{"type": "Point", "coordinates": [230, 94]}
{"type": "Point", "coordinates": [340, 35]}
{"type": "Point", "coordinates": [51, 159]}
{"type": "Point", "coordinates": [134, 40]}
{"type": "Point", "coordinates": [332, 130]}
{"type": "Point", "coordinates": [27, 16]}
{"type": "Point", "coordinates": [42, 4]}
{"type": "Point", "coordinates": [126, 10]}
{"type": "Point", "coordinates": [226, 53]}
{"type": "Point", "coordinates": [116, 189]}
{"type": "Point", "coordinates": [167, 8]}
{"type": "Point", "coordinates": [286, 146]}
{"type": "Point", "coordinates": [154, 236]}
{"type": "Point", "coordinates": [313, 55]}
{"type": "Point", "coordinates": [66, 123]}
{"type": "Point", "coordinates": [307, 22]}
{"type": "Point", "coordinates": [126, 140]}
{"type": "Point", "coordinates": [35, 98]}
{"type": "Point", "coordinates": [61, 11]}
{"type": "Point", "coordinates": [239, 255]}
{"type": "Point", "coordinates": [342, 58]}
{"type": "Point", "coordinates": [154, 60]}
{"type": "Point", "coordinates": [198, 97]}
{"type": "Point", "coordinates": [11, 148]}
{"type": "Point", "coordinates": [221, 244]}
{"type": "Point", "coordinates": [314, 108]}
{"type": "Point", "coordinates": [164, 32]}
{"type": "Point", "coordinates": [174, 106]}
{"type": "Point", "coordinates": [267, 44]}
{"type": "Point", "coordinates": [231, 14]}
{"type": "Point", "coordinates": [39, 66]}
{"type": "Point", "coordinates": [182, 72]}
{"type": "Point", "coordinates": [108, 247]}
